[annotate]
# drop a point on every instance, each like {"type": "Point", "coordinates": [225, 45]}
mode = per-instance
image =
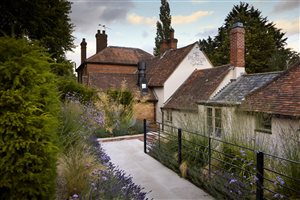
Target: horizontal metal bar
{"type": "Point", "coordinates": [292, 161]}
{"type": "Point", "coordinates": [237, 167]}
{"type": "Point", "coordinates": [297, 180]}
{"type": "Point", "coordinates": [194, 143]}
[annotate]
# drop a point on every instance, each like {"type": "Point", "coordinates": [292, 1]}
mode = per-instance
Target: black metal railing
{"type": "Point", "coordinates": [232, 170]}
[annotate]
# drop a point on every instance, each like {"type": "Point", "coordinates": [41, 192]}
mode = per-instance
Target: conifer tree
{"type": "Point", "coordinates": [265, 44]}
{"type": "Point", "coordinates": [29, 106]}
{"type": "Point", "coordinates": [163, 27]}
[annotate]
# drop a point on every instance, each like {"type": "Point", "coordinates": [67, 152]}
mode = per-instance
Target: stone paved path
{"type": "Point", "coordinates": [149, 173]}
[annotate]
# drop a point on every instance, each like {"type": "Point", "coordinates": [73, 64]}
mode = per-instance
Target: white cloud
{"type": "Point", "coordinates": [181, 19]}
{"type": "Point", "coordinates": [286, 6]}
{"type": "Point", "coordinates": [138, 20]}
{"type": "Point", "coordinates": [291, 27]}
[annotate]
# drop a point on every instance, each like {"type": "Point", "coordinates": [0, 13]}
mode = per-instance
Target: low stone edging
{"type": "Point", "coordinates": [119, 138]}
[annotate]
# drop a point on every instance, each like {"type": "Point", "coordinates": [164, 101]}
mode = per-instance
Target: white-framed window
{"type": "Point", "coordinates": [214, 121]}
{"type": "Point", "coordinates": [169, 116]}
{"type": "Point", "coordinates": [264, 123]}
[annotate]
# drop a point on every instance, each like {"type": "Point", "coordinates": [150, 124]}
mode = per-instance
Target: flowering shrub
{"type": "Point", "coordinates": [113, 183]}
{"type": "Point", "coordinates": [84, 170]}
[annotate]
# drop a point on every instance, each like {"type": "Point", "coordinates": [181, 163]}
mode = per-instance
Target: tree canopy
{"type": "Point", "coordinates": [44, 20]}
{"type": "Point", "coordinates": [264, 43]}
{"type": "Point", "coordinates": [163, 27]}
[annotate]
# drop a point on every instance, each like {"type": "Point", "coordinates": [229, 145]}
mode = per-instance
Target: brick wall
{"type": "Point", "coordinates": [144, 111]}
{"type": "Point", "coordinates": [111, 68]}
{"type": "Point", "coordinates": [237, 47]}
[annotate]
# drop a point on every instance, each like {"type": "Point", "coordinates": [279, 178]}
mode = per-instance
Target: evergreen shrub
{"type": "Point", "coordinates": [29, 106]}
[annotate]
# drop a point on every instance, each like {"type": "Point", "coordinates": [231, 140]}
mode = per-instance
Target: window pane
{"type": "Point", "coordinates": [218, 122]}
{"type": "Point", "coordinates": [265, 121]}
{"type": "Point", "coordinates": [209, 121]}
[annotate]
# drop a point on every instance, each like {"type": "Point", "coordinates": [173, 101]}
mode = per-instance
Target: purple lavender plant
{"type": "Point", "coordinates": [113, 183]}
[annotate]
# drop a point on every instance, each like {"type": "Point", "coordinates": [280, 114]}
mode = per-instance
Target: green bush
{"type": "Point", "coordinates": [29, 106]}
{"type": "Point", "coordinates": [67, 85]}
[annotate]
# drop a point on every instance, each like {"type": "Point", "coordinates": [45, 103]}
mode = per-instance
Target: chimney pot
{"type": "Point", "coordinates": [83, 50]}
{"type": "Point", "coordinates": [101, 41]}
{"type": "Point", "coordinates": [172, 34]}
{"type": "Point", "coordinates": [238, 24]}
{"type": "Point", "coordinates": [173, 41]}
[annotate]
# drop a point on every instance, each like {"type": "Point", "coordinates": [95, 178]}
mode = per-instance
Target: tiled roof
{"type": "Point", "coordinates": [118, 55]}
{"type": "Point", "coordinates": [159, 69]}
{"type": "Point", "coordinates": [236, 90]}
{"type": "Point", "coordinates": [114, 81]}
{"type": "Point", "coordinates": [281, 96]}
{"type": "Point", "coordinates": [107, 81]}
{"type": "Point", "coordinates": [198, 87]}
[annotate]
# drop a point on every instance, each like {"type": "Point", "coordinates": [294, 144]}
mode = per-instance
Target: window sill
{"type": "Point", "coordinates": [261, 130]}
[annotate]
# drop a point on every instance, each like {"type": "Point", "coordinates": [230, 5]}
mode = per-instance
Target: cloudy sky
{"type": "Point", "coordinates": [131, 23]}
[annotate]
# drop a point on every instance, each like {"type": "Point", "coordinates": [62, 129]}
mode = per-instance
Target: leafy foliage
{"type": "Point", "coordinates": [163, 26]}
{"type": "Point", "coordinates": [77, 160]}
{"type": "Point", "coordinates": [265, 44]}
{"type": "Point", "coordinates": [68, 85]}
{"type": "Point", "coordinates": [43, 20]}
{"type": "Point", "coordinates": [118, 110]}
{"type": "Point", "coordinates": [123, 97]}
{"type": "Point", "coordinates": [29, 106]}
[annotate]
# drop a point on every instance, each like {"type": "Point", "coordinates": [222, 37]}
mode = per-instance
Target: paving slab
{"type": "Point", "coordinates": [163, 183]}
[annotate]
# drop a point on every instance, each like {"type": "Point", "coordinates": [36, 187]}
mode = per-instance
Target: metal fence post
{"type": "Point", "coordinates": [259, 175]}
{"type": "Point", "coordinates": [159, 135]}
{"type": "Point", "coordinates": [209, 156]}
{"type": "Point", "coordinates": [179, 146]}
{"type": "Point", "coordinates": [145, 136]}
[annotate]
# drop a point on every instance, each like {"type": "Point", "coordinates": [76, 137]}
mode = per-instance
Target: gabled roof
{"type": "Point", "coordinates": [160, 68]}
{"type": "Point", "coordinates": [281, 96]}
{"type": "Point", "coordinates": [198, 87]}
{"type": "Point", "coordinates": [118, 55]}
{"type": "Point", "coordinates": [236, 90]}
{"type": "Point", "coordinates": [106, 81]}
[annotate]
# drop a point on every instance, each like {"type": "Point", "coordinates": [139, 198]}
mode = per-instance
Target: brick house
{"type": "Point", "coordinates": [110, 67]}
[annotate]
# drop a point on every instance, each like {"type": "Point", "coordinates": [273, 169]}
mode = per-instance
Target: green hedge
{"type": "Point", "coordinates": [29, 105]}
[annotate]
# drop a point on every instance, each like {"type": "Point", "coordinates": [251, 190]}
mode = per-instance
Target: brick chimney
{"type": "Point", "coordinates": [237, 45]}
{"type": "Point", "coordinates": [101, 41]}
{"type": "Point", "coordinates": [173, 41]}
{"type": "Point", "coordinates": [83, 50]}
{"type": "Point", "coordinates": [163, 47]}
